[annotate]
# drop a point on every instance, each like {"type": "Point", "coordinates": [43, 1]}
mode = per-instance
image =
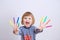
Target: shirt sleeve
{"type": "Point", "coordinates": [36, 30]}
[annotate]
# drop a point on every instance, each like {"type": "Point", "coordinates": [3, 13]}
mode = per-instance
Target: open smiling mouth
{"type": "Point", "coordinates": [27, 23]}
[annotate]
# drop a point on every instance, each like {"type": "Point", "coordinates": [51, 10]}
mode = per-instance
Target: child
{"type": "Point", "coordinates": [27, 31]}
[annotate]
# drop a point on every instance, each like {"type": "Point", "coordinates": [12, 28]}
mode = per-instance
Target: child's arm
{"type": "Point", "coordinates": [38, 30]}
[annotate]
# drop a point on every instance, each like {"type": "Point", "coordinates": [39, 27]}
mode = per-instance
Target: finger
{"type": "Point", "coordinates": [41, 20]}
{"type": "Point", "coordinates": [17, 19]}
{"type": "Point", "coordinates": [47, 22]}
{"type": "Point", "coordinates": [18, 22]}
{"type": "Point", "coordinates": [14, 20]}
{"type": "Point", "coordinates": [11, 23]}
{"type": "Point", "coordinates": [15, 26]}
{"type": "Point", "coordinates": [49, 26]}
{"type": "Point", "coordinates": [45, 19]}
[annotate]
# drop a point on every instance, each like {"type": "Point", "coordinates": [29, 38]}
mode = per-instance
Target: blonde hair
{"type": "Point", "coordinates": [28, 14]}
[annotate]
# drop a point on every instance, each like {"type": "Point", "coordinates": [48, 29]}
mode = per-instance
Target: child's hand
{"type": "Point", "coordinates": [14, 24]}
{"type": "Point", "coordinates": [15, 29]}
{"type": "Point", "coordinates": [43, 25]}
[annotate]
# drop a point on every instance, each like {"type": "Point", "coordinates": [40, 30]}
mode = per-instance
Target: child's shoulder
{"type": "Point", "coordinates": [21, 27]}
{"type": "Point", "coordinates": [33, 27]}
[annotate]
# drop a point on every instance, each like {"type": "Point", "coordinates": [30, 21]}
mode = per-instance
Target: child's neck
{"type": "Point", "coordinates": [27, 27]}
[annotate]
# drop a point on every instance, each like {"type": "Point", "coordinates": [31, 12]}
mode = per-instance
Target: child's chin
{"type": "Point", "coordinates": [28, 25]}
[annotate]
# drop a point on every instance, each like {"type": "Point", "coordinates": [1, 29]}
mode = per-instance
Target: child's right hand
{"type": "Point", "coordinates": [15, 29]}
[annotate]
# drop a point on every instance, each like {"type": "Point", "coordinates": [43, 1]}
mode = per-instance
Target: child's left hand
{"type": "Point", "coordinates": [43, 25]}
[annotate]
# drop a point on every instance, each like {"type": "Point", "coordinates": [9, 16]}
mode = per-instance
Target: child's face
{"type": "Point", "coordinates": [27, 20]}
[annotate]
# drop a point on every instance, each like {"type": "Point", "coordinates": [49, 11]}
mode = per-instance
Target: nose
{"type": "Point", "coordinates": [27, 20]}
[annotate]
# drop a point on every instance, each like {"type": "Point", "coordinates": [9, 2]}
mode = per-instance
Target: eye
{"type": "Point", "coordinates": [25, 18]}
{"type": "Point", "coordinates": [29, 18]}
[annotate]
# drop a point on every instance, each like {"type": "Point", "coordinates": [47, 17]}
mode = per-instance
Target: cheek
{"type": "Point", "coordinates": [24, 20]}
{"type": "Point", "coordinates": [30, 21]}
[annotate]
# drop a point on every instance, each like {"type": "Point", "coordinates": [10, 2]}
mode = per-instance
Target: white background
{"type": "Point", "coordinates": [39, 8]}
